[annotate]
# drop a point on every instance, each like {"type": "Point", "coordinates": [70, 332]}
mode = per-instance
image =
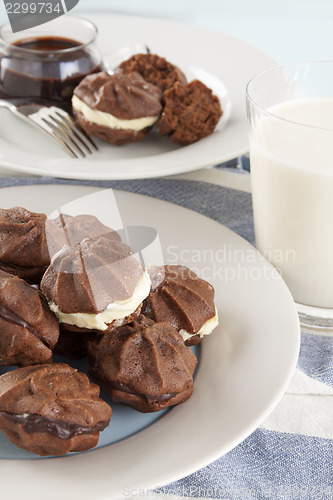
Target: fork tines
{"type": "Point", "coordinates": [59, 124]}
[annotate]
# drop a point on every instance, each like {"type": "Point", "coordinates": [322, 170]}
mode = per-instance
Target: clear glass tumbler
{"type": "Point", "coordinates": [290, 115]}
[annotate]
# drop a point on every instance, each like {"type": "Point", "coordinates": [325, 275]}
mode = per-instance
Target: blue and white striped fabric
{"type": "Point", "coordinates": [290, 456]}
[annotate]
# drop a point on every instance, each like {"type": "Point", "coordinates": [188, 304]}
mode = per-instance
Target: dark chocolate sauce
{"type": "Point", "coordinates": [15, 319]}
{"type": "Point", "coordinates": [47, 68]}
{"type": "Point", "coordinates": [47, 44]}
{"type": "Point", "coordinates": [32, 422]}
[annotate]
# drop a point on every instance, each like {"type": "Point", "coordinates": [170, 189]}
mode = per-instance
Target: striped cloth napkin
{"type": "Point", "coordinates": [290, 456]}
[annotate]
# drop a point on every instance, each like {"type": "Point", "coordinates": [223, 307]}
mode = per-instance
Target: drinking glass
{"type": "Point", "coordinates": [290, 116]}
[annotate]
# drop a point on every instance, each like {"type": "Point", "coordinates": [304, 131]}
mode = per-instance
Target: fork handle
{"type": "Point", "coordinates": [12, 104]}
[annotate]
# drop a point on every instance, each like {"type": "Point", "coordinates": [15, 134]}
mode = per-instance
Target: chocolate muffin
{"type": "Point", "coordinates": [154, 69]}
{"type": "Point", "coordinates": [23, 245]}
{"type": "Point", "coordinates": [190, 113]}
{"type": "Point", "coordinates": [51, 409]}
{"type": "Point", "coordinates": [71, 230]}
{"type": "Point", "coordinates": [143, 364]}
{"type": "Point", "coordinates": [179, 297]}
{"type": "Point", "coordinates": [118, 108]}
{"type": "Point", "coordinates": [96, 285]}
{"type": "Point", "coordinates": [28, 329]}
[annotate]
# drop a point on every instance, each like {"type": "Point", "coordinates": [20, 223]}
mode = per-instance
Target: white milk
{"type": "Point", "coordinates": [292, 185]}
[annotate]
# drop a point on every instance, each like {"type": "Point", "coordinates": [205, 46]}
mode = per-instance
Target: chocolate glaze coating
{"type": "Point", "coordinates": [143, 364]}
{"type": "Point", "coordinates": [71, 230]}
{"type": "Point", "coordinates": [23, 245]}
{"type": "Point", "coordinates": [190, 113]}
{"type": "Point", "coordinates": [90, 276]}
{"type": "Point", "coordinates": [154, 69]}
{"type": "Point", "coordinates": [125, 96]}
{"type": "Point", "coordinates": [51, 409]}
{"type": "Point", "coordinates": [28, 329]}
{"type": "Point", "coordinates": [179, 297]}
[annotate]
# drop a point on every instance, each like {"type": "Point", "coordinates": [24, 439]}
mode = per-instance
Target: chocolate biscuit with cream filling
{"type": "Point", "coordinates": [143, 364]}
{"type": "Point", "coordinates": [51, 409]}
{"type": "Point", "coordinates": [28, 329]}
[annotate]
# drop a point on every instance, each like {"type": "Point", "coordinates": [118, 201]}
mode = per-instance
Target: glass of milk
{"type": "Point", "coordinates": [290, 114]}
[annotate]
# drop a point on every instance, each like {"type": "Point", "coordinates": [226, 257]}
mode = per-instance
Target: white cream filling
{"type": "Point", "coordinates": [115, 311]}
{"type": "Point", "coordinates": [107, 120]}
{"type": "Point", "coordinates": [206, 328]}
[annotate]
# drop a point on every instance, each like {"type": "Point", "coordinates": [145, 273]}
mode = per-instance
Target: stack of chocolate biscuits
{"type": "Point", "coordinates": [147, 89]}
{"type": "Point", "coordinates": [95, 299]}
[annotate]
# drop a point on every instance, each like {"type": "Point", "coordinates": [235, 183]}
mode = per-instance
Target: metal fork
{"type": "Point", "coordinates": [56, 123]}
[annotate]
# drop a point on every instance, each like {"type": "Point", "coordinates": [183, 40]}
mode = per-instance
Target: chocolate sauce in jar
{"type": "Point", "coordinates": [47, 68]}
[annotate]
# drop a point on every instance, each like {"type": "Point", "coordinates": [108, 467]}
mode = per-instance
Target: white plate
{"type": "Point", "coordinates": [244, 369]}
{"type": "Point", "coordinates": [213, 57]}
